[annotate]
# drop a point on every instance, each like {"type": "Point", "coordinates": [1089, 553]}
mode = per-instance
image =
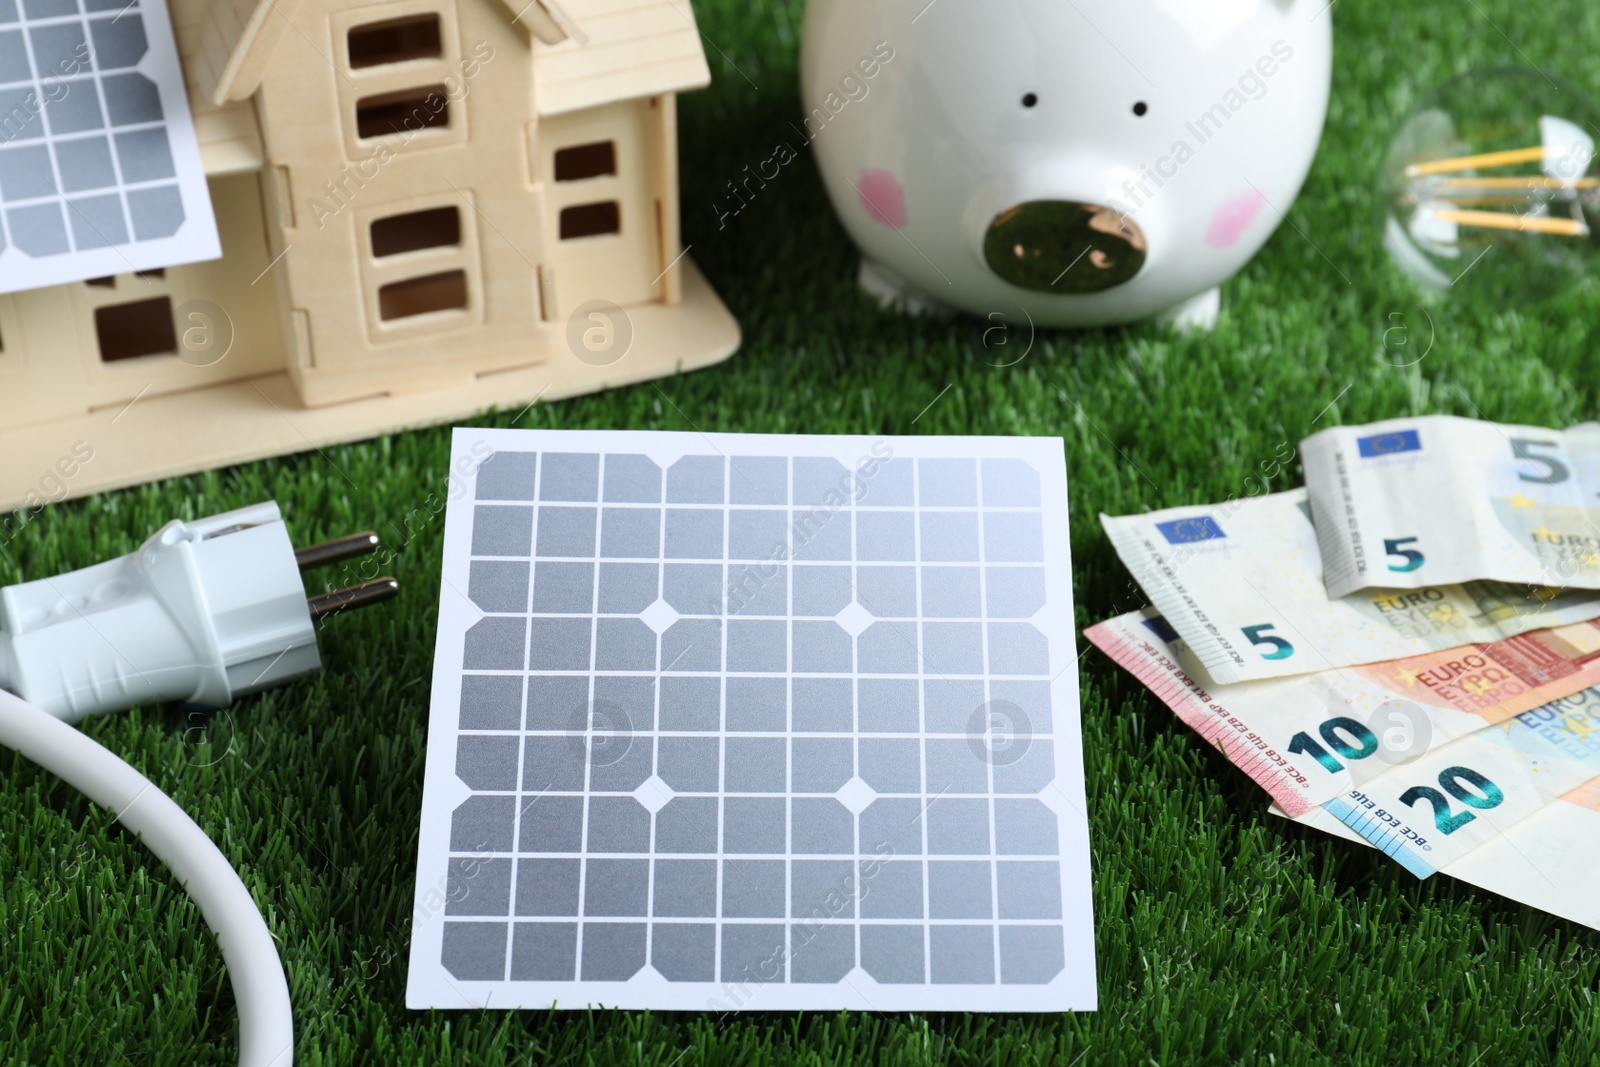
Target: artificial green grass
{"type": "Point", "coordinates": [1222, 933]}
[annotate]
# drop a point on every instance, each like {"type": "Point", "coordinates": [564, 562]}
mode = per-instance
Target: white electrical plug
{"type": "Point", "coordinates": [202, 613]}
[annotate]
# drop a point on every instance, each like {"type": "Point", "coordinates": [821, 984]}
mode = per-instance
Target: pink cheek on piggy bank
{"type": "Point", "coordinates": [883, 197]}
{"type": "Point", "coordinates": [1233, 218]}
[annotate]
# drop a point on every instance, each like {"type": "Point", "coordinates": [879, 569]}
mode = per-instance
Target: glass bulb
{"type": "Point", "coordinates": [1491, 187]}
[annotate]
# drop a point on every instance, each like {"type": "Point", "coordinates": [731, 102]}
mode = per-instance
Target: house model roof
{"type": "Point", "coordinates": [585, 53]}
{"type": "Point", "coordinates": [615, 50]}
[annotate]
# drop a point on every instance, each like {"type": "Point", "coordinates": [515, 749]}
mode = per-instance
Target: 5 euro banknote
{"type": "Point", "coordinates": [1314, 738]}
{"type": "Point", "coordinates": [1437, 500]}
{"type": "Point", "coordinates": [1242, 582]}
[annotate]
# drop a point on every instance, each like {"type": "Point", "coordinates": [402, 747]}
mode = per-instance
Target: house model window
{"type": "Point", "coordinates": [584, 161]}
{"type": "Point", "coordinates": [138, 328]}
{"type": "Point", "coordinates": [403, 81]}
{"type": "Point", "coordinates": [413, 199]}
{"type": "Point", "coordinates": [402, 112]}
{"type": "Point", "coordinates": [395, 235]}
{"type": "Point", "coordinates": [445, 291]}
{"type": "Point", "coordinates": [395, 41]}
{"type": "Point", "coordinates": [133, 315]}
{"type": "Point", "coordinates": [590, 220]}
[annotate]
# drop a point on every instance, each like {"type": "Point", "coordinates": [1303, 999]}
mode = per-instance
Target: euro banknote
{"type": "Point", "coordinates": [1315, 738]}
{"type": "Point", "coordinates": [1437, 808]}
{"type": "Point", "coordinates": [1548, 860]}
{"type": "Point", "coordinates": [1242, 582]}
{"type": "Point", "coordinates": [1439, 500]}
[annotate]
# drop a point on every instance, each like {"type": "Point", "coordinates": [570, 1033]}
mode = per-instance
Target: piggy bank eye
{"type": "Point", "coordinates": [1140, 108]}
{"type": "Point", "coordinates": [1030, 99]}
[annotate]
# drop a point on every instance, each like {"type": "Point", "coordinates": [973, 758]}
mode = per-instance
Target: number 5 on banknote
{"type": "Point", "coordinates": [1396, 546]}
{"type": "Point", "coordinates": [1259, 636]}
{"type": "Point", "coordinates": [1554, 470]}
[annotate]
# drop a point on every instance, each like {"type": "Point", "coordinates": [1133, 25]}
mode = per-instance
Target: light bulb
{"type": "Point", "coordinates": [1491, 187]}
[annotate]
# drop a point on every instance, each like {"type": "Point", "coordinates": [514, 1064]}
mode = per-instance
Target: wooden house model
{"type": "Point", "coordinates": [426, 208]}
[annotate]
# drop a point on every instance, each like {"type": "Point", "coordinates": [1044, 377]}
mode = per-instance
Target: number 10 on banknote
{"type": "Point", "coordinates": [1438, 500]}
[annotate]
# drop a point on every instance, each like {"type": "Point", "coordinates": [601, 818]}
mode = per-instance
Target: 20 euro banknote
{"type": "Point", "coordinates": [1437, 808]}
{"type": "Point", "coordinates": [1242, 582]}
{"type": "Point", "coordinates": [1437, 500]}
{"type": "Point", "coordinates": [1314, 738]}
{"type": "Point", "coordinates": [1548, 860]}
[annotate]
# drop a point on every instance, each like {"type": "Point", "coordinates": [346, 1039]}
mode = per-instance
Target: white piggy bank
{"type": "Point", "coordinates": [1077, 163]}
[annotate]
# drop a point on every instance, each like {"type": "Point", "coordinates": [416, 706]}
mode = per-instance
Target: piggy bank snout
{"type": "Point", "coordinates": [1064, 246]}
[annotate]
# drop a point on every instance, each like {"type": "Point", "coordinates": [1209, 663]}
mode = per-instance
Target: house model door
{"type": "Point", "coordinates": [601, 175]}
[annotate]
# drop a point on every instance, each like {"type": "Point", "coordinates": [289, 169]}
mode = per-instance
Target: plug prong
{"type": "Point", "coordinates": [357, 596]}
{"type": "Point", "coordinates": [341, 548]}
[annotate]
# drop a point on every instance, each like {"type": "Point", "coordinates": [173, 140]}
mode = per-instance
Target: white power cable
{"type": "Point", "coordinates": [266, 1023]}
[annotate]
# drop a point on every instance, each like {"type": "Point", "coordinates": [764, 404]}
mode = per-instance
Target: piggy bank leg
{"type": "Point", "coordinates": [890, 290]}
{"type": "Point", "coordinates": [1196, 315]}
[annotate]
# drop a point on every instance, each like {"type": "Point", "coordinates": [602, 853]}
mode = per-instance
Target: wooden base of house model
{"type": "Point", "coordinates": [422, 203]}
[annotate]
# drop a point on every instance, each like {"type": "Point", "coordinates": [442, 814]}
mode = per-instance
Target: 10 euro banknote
{"type": "Point", "coordinates": [1316, 738]}
{"type": "Point", "coordinates": [1242, 583]}
{"type": "Point", "coordinates": [1437, 500]}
